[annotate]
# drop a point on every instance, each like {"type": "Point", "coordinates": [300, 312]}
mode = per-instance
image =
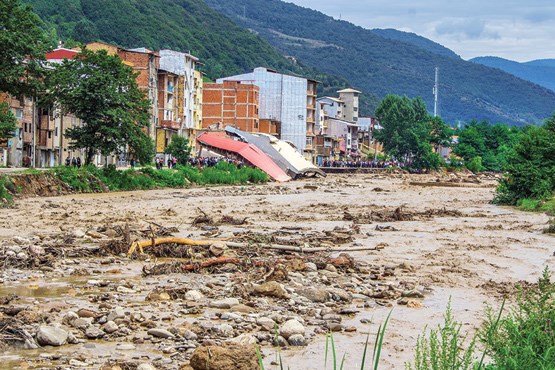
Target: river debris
{"type": "Point", "coordinates": [398, 214]}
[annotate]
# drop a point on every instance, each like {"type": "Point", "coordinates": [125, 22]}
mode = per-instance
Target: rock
{"type": "Point", "coordinates": [78, 233]}
{"type": "Point", "coordinates": [315, 295]}
{"type": "Point", "coordinates": [226, 357]}
{"type": "Point", "coordinates": [146, 367]}
{"type": "Point", "coordinates": [160, 333]}
{"type": "Point", "coordinates": [244, 339]}
{"type": "Point", "coordinates": [125, 346]}
{"type": "Point", "coordinates": [414, 304]}
{"type": "Point", "coordinates": [77, 363]}
{"type": "Point", "coordinates": [413, 294]}
{"type": "Point", "coordinates": [116, 313]}
{"type": "Point", "coordinates": [297, 340]}
{"type": "Point", "coordinates": [331, 268]}
{"type": "Point", "coordinates": [110, 327]}
{"type": "Point", "coordinates": [310, 266]}
{"type": "Point", "coordinates": [189, 335]}
{"type": "Point", "coordinates": [95, 234]}
{"type": "Point", "coordinates": [224, 303]}
{"type": "Point", "coordinates": [291, 327]}
{"type": "Point", "coordinates": [81, 323]}
{"type": "Point", "coordinates": [51, 336]}
{"type": "Point", "coordinates": [217, 249]}
{"type": "Point", "coordinates": [280, 341]}
{"type": "Point", "coordinates": [36, 250]}
{"type": "Point", "coordinates": [224, 330]}
{"type": "Point", "coordinates": [21, 240]}
{"type": "Point", "coordinates": [193, 295]}
{"type": "Point", "coordinates": [271, 289]}
{"type": "Point", "coordinates": [87, 313]}
{"type": "Point", "coordinates": [231, 316]}
{"type": "Point", "coordinates": [339, 294]}
{"type": "Point", "coordinates": [125, 290]}
{"type": "Point", "coordinates": [266, 323]}
{"type": "Point", "coordinates": [243, 308]}
{"type": "Point", "coordinates": [93, 332]}
{"type": "Point", "coordinates": [332, 317]}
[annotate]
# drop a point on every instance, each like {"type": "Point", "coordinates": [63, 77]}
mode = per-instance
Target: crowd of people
{"type": "Point", "coordinates": [212, 161]}
{"type": "Point", "coordinates": [171, 162]}
{"type": "Point", "coordinates": [74, 162]}
{"type": "Point", "coordinates": [360, 164]}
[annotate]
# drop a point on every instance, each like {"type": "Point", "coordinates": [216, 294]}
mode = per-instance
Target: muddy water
{"type": "Point", "coordinates": [451, 257]}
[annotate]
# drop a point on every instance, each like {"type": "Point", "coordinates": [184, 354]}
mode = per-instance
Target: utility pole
{"type": "Point", "coordinates": [436, 93]}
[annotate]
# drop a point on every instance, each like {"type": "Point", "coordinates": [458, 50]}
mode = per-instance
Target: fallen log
{"type": "Point", "coordinates": [141, 244]}
{"type": "Point", "coordinates": [211, 262]}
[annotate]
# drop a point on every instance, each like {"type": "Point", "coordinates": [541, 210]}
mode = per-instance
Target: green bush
{"type": "Point", "coordinates": [524, 338]}
{"type": "Point", "coordinates": [6, 198]}
{"type": "Point", "coordinates": [443, 348]}
{"type": "Point", "coordinates": [530, 168]}
{"type": "Point", "coordinates": [475, 165]}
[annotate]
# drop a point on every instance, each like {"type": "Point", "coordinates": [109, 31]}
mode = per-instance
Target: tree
{"type": "Point", "coordinates": [409, 133]}
{"type": "Point", "coordinates": [102, 91]}
{"type": "Point", "coordinates": [7, 122]}
{"type": "Point", "coordinates": [180, 149]}
{"type": "Point", "coordinates": [23, 46]}
{"type": "Point", "coordinates": [530, 172]}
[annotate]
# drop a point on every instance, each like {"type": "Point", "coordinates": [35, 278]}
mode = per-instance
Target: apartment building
{"type": "Point", "coordinates": [170, 108]}
{"type": "Point", "coordinates": [231, 103]}
{"type": "Point", "coordinates": [283, 98]}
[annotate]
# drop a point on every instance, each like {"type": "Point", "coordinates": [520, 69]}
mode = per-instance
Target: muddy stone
{"type": "Point", "coordinates": [229, 356]}
{"type": "Point", "coordinates": [290, 328]}
{"type": "Point", "coordinates": [315, 295]}
{"type": "Point", "coordinates": [271, 289]}
{"type": "Point", "coordinates": [51, 336]}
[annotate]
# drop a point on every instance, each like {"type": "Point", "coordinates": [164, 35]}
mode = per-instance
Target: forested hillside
{"type": "Point", "coordinates": [380, 65]}
{"type": "Point", "coordinates": [541, 72]}
{"type": "Point", "coordinates": [413, 38]}
{"type": "Point", "coordinates": [186, 25]}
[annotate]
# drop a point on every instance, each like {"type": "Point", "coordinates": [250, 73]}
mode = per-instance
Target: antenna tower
{"type": "Point", "coordinates": [436, 93]}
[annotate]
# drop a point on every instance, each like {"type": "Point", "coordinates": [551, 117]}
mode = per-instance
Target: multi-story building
{"type": "Point", "coordinates": [183, 65]}
{"type": "Point", "coordinates": [231, 103]}
{"type": "Point", "coordinates": [146, 63]}
{"type": "Point", "coordinates": [170, 104]}
{"type": "Point", "coordinates": [198, 94]}
{"type": "Point", "coordinates": [283, 98]}
{"type": "Point", "coordinates": [18, 151]}
{"type": "Point", "coordinates": [350, 98]}
{"type": "Point", "coordinates": [311, 104]}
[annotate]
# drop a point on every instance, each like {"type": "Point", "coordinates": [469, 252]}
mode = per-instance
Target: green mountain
{"type": "Point", "coordinates": [185, 25]}
{"type": "Point", "coordinates": [417, 40]}
{"type": "Point", "coordinates": [381, 65]}
{"type": "Point", "coordinates": [541, 72]}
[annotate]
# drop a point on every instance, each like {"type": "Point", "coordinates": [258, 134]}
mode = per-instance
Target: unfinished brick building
{"type": "Point", "coordinates": [231, 103]}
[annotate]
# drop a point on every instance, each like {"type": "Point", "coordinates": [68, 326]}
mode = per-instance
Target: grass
{"type": "Point", "coordinates": [525, 337]}
{"type": "Point", "coordinates": [534, 205]}
{"type": "Point", "coordinates": [443, 348]}
{"type": "Point", "coordinates": [92, 179]}
{"type": "Point", "coordinates": [6, 197]}
{"type": "Point", "coordinates": [330, 350]}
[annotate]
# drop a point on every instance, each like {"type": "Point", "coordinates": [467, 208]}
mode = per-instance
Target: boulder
{"type": "Point", "coordinates": [291, 327]}
{"type": "Point", "coordinates": [226, 357]}
{"type": "Point", "coordinates": [271, 289]}
{"type": "Point", "coordinates": [51, 336]}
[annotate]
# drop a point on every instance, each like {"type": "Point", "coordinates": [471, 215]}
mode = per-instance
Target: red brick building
{"type": "Point", "coordinates": [231, 103]}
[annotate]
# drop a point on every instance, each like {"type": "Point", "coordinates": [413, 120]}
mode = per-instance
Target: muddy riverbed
{"type": "Point", "coordinates": [409, 248]}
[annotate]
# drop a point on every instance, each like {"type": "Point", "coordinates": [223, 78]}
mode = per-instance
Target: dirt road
{"type": "Point", "coordinates": [439, 242]}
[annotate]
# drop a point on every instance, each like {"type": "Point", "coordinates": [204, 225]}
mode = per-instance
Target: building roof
{"type": "Point", "coordinates": [330, 98]}
{"type": "Point", "coordinates": [61, 53]}
{"type": "Point", "coordinates": [249, 152]}
{"type": "Point", "coordinates": [349, 90]}
{"type": "Point", "coordinates": [282, 153]}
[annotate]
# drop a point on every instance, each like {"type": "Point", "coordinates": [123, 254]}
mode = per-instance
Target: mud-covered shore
{"type": "Point", "coordinates": [385, 242]}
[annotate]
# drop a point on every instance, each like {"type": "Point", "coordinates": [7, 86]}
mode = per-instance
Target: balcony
{"type": "Point", "coordinates": [311, 93]}
{"type": "Point", "coordinates": [169, 124]}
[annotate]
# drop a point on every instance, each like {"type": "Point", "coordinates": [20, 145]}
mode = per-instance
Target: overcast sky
{"type": "Point", "coordinates": [520, 30]}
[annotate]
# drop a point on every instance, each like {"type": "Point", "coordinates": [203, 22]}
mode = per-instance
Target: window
{"type": "Point", "coordinates": [56, 132]}
{"type": "Point", "coordinates": [309, 141]}
{"type": "Point", "coordinates": [355, 109]}
{"type": "Point", "coordinates": [18, 113]}
{"type": "Point", "coordinates": [50, 134]}
{"type": "Point", "coordinates": [355, 119]}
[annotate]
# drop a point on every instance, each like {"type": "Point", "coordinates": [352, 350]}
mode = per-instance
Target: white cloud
{"type": "Point", "coordinates": [513, 29]}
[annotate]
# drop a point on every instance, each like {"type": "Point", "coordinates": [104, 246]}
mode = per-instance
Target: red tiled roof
{"type": "Point", "coordinates": [249, 152]}
{"type": "Point", "coordinates": [62, 53]}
